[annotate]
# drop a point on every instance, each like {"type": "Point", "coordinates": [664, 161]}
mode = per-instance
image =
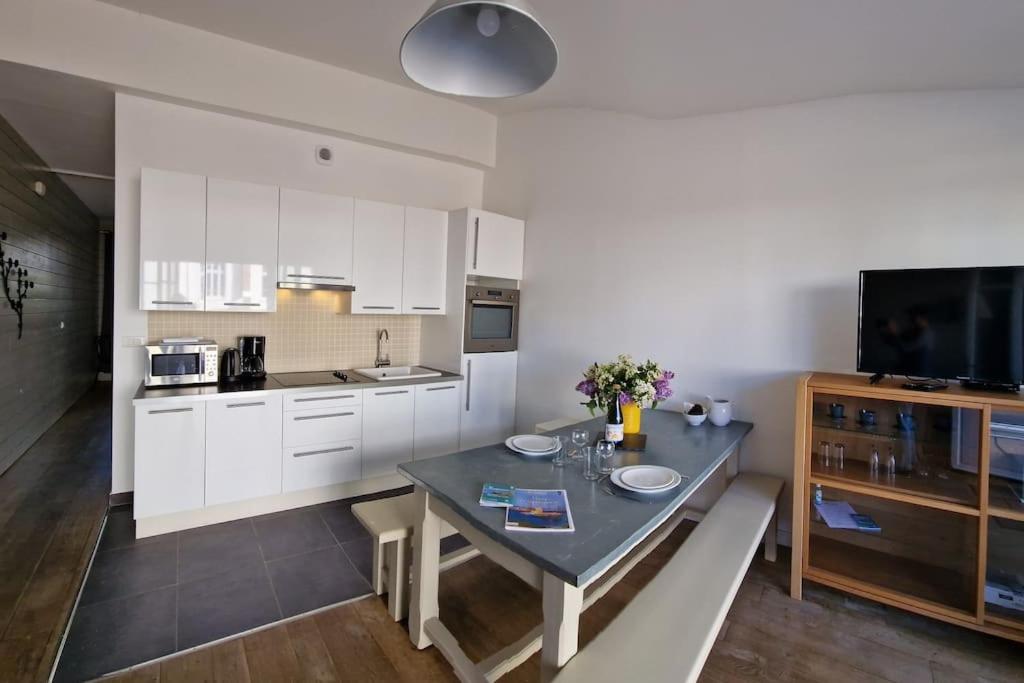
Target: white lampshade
{"type": "Point", "coordinates": [491, 48]}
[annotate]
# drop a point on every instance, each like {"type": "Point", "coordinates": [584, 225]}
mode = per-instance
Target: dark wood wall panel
{"type": "Point", "coordinates": [55, 237]}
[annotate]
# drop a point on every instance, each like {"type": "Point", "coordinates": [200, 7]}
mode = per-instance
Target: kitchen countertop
{"type": "Point", "coordinates": [259, 388]}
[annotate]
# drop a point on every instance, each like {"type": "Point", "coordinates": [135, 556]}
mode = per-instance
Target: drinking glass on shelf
{"type": "Point", "coordinates": [874, 462]}
{"type": "Point", "coordinates": [840, 456]}
{"type": "Point", "coordinates": [580, 437]}
{"type": "Point", "coordinates": [591, 463]}
{"type": "Point", "coordinates": [605, 456]}
{"type": "Point", "coordinates": [824, 456]}
{"type": "Point", "coordinates": [561, 458]}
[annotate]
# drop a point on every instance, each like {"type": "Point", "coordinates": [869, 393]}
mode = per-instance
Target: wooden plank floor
{"type": "Point", "coordinates": [767, 637]}
{"type": "Point", "coordinates": [52, 504]}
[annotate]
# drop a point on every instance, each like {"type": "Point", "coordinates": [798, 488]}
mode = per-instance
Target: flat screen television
{"type": "Point", "coordinates": [943, 323]}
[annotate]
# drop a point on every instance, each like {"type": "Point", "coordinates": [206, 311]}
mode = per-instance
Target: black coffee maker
{"type": "Point", "coordinates": [254, 351]}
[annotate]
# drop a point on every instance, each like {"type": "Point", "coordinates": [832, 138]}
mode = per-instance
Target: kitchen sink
{"type": "Point", "coordinates": [397, 373]}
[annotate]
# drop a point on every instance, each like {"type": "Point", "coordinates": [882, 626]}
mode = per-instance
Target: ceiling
{"type": "Point", "coordinates": [69, 122]}
{"type": "Point", "coordinates": [670, 58]}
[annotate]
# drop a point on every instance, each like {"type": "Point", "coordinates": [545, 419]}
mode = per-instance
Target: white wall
{"type": "Point", "coordinates": [133, 51]}
{"type": "Point", "coordinates": [727, 247]}
{"type": "Point", "coordinates": [161, 135]}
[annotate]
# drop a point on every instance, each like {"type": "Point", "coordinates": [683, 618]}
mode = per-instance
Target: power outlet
{"type": "Point", "coordinates": [128, 342]}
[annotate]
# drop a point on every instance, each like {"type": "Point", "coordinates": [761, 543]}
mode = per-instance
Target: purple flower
{"type": "Point", "coordinates": [588, 387]}
{"type": "Point", "coordinates": [624, 398]}
{"type": "Point", "coordinates": [668, 374]}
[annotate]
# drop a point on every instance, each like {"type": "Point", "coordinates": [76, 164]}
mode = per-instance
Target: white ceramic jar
{"type": "Point", "coordinates": [720, 412]}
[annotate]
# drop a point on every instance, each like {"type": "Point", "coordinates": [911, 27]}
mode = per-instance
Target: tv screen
{"type": "Point", "coordinates": [946, 323]}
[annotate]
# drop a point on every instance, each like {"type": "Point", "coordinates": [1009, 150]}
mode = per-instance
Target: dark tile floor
{"type": "Point", "coordinates": [149, 598]}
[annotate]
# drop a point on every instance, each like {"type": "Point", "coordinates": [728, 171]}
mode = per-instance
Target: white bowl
{"type": "Point", "coordinates": [696, 420]}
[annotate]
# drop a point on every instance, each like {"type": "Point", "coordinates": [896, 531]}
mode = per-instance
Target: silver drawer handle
{"type": "Point", "coordinates": [390, 393]}
{"type": "Point", "coordinates": [326, 450]}
{"type": "Point", "coordinates": [170, 410]}
{"type": "Point", "coordinates": [240, 303]}
{"type": "Point", "coordinates": [476, 242]}
{"type": "Point", "coordinates": [323, 398]}
{"type": "Point", "coordinates": [452, 386]}
{"type": "Point", "coordinates": [247, 405]}
{"type": "Point", "coordinates": [321, 417]}
{"type": "Point", "coordinates": [322, 277]}
{"type": "Point", "coordinates": [380, 308]}
{"type": "Point", "coordinates": [172, 303]}
{"type": "Point", "coordinates": [426, 308]}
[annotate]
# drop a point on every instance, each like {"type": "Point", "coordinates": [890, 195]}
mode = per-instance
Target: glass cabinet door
{"type": "Point", "coordinates": [915, 448]}
{"type": "Point", "coordinates": [1004, 576]}
{"type": "Point", "coordinates": [1006, 464]}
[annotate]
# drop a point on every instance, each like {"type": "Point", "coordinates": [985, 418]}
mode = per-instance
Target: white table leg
{"type": "Point", "coordinates": [425, 569]}
{"type": "Point", "coordinates": [732, 465]}
{"type": "Point", "coordinates": [562, 607]}
{"type": "Point", "coordinates": [398, 578]}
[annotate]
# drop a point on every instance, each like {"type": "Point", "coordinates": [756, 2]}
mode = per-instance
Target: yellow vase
{"type": "Point", "coordinates": [631, 418]}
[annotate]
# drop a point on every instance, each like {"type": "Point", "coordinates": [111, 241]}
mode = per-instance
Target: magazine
{"type": "Point", "coordinates": [539, 510]}
{"type": "Point", "coordinates": [496, 495]}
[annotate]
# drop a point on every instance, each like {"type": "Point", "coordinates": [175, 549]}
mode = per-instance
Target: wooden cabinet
{"type": "Point", "coordinates": [379, 234]}
{"type": "Point", "coordinates": [170, 447]}
{"type": "Point", "coordinates": [315, 241]}
{"type": "Point", "coordinates": [243, 448]}
{"type": "Point", "coordinates": [437, 420]}
{"type": "Point", "coordinates": [172, 241]}
{"type": "Point", "coordinates": [425, 262]}
{"type": "Point", "coordinates": [922, 468]}
{"type": "Point", "coordinates": [488, 400]}
{"type": "Point", "coordinates": [388, 428]}
{"type": "Point", "coordinates": [241, 246]}
{"type": "Point", "coordinates": [494, 245]}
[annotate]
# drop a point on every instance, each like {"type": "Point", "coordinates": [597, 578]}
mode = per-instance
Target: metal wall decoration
{"type": "Point", "coordinates": [21, 284]}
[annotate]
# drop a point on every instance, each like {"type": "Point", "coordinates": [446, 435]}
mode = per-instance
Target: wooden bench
{"type": "Point", "coordinates": [390, 522]}
{"type": "Point", "coordinates": [666, 632]}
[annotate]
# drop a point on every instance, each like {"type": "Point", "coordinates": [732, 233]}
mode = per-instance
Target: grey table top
{"type": "Point", "coordinates": [606, 525]}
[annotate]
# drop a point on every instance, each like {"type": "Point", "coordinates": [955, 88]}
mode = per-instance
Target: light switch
{"type": "Point", "coordinates": [133, 341]}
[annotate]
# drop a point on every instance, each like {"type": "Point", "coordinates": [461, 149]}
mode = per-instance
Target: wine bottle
{"type": "Point", "coordinates": [613, 429]}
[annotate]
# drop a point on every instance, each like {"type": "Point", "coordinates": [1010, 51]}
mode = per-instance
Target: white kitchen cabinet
{"type": "Point", "coordinates": [494, 245]}
{"type": "Point", "coordinates": [388, 427]}
{"type": "Point", "coordinates": [241, 246]}
{"type": "Point", "coordinates": [170, 447]}
{"type": "Point", "coordinates": [426, 257]}
{"type": "Point", "coordinates": [172, 241]}
{"type": "Point", "coordinates": [322, 425]}
{"type": "Point", "coordinates": [488, 398]}
{"type": "Point", "coordinates": [378, 246]}
{"type": "Point", "coordinates": [243, 448]}
{"type": "Point", "coordinates": [315, 239]}
{"type": "Point", "coordinates": [309, 467]}
{"type": "Point", "coordinates": [437, 420]}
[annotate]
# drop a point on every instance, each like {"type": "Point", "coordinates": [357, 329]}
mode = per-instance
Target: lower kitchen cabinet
{"type": "Point", "coordinates": [388, 428]}
{"type": "Point", "coordinates": [170, 445]}
{"type": "Point", "coordinates": [488, 398]}
{"type": "Point", "coordinates": [437, 420]}
{"type": "Point", "coordinates": [243, 448]}
{"type": "Point", "coordinates": [309, 467]}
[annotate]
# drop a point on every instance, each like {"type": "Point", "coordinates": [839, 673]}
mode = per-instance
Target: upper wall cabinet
{"type": "Point", "coordinates": [241, 246]}
{"type": "Point", "coordinates": [378, 257]}
{"type": "Point", "coordinates": [172, 241]}
{"type": "Point", "coordinates": [315, 244]}
{"type": "Point", "coordinates": [425, 270]}
{"type": "Point", "coordinates": [494, 245]}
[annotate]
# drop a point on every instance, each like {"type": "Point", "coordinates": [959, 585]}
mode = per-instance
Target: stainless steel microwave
{"type": "Point", "coordinates": [492, 319]}
{"type": "Point", "coordinates": [180, 363]}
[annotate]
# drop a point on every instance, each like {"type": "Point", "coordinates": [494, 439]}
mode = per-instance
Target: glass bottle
{"type": "Point", "coordinates": [614, 428]}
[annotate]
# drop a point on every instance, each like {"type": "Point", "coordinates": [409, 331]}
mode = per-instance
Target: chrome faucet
{"type": "Point", "coordinates": [383, 357]}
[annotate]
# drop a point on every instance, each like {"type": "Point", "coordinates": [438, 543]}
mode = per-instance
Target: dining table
{"type": "Point", "coordinates": [613, 530]}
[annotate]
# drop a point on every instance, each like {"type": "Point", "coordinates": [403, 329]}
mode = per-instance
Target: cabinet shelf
{"type": "Point", "coordinates": [946, 490]}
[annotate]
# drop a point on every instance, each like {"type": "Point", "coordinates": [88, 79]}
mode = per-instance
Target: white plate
{"type": "Point", "coordinates": [646, 478]}
{"type": "Point", "coordinates": [511, 447]}
{"type": "Point", "coordinates": [533, 443]}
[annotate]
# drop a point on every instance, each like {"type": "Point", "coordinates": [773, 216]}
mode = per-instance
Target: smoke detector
{"type": "Point", "coordinates": [324, 155]}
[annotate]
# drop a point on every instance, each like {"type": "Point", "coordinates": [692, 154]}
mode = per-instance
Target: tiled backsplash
{"type": "Point", "coordinates": [311, 330]}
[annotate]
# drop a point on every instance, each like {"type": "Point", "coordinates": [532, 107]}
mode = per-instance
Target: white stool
{"type": "Point", "coordinates": [390, 522]}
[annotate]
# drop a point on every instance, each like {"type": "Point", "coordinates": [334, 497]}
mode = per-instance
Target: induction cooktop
{"type": "Point", "coordinates": [312, 379]}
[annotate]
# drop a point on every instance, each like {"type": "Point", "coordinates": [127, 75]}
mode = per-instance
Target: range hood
{"type": "Point", "coordinates": [323, 282]}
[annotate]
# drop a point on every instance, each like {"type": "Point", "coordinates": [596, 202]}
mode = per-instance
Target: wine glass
{"type": "Point", "coordinates": [580, 437]}
{"type": "Point", "coordinates": [561, 458]}
{"type": "Point", "coordinates": [605, 456]}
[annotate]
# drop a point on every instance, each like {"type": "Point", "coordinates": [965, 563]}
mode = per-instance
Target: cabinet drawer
{"type": "Point", "coordinates": [321, 465]}
{"type": "Point", "coordinates": [335, 398]}
{"type": "Point", "coordinates": [323, 425]}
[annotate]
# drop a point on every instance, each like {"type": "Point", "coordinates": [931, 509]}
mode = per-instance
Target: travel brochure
{"type": "Point", "coordinates": [838, 514]}
{"type": "Point", "coordinates": [544, 510]}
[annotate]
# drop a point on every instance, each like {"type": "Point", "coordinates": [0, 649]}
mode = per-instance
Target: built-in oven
{"type": "Point", "coordinates": [492, 319]}
{"type": "Point", "coordinates": [177, 364]}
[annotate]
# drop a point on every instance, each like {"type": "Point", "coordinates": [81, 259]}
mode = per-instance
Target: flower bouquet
{"type": "Point", "coordinates": [642, 385]}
